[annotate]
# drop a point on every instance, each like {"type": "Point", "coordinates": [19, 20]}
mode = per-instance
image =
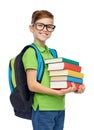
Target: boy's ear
{"type": "Point", "coordinates": [31, 28]}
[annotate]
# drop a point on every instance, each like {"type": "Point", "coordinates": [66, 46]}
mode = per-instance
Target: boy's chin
{"type": "Point", "coordinates": [43, 40]}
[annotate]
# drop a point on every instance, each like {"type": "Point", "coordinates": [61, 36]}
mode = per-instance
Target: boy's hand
{"type": "Point", "coordinates": [72, 88]}
{"type": "Point", "coordinates": [81, 89]}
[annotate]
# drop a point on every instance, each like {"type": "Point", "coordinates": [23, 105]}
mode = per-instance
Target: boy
{"type": "Point", "coordinates": [49, 105]}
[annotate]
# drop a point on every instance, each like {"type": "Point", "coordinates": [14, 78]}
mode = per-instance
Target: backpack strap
{"type": "Point", "coordinates": [10, 77]}
{"type": "Point", "coordinates": [40, 60]}
{"type": "Point", "coordinates": [53, 52]}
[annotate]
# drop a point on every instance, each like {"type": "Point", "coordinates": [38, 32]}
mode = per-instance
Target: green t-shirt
{"type": "Point", "coordinates": [44, 101]}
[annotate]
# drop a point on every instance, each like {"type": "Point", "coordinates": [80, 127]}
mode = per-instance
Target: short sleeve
{"type": "Point", "coordinates": [29, 59]}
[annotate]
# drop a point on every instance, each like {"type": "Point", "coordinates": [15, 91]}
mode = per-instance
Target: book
{"type": "Point", "coordinates": [67, 78]}
{"type": "Point", "coordinates": [61, 59]}
{"type": "Point", "coordinates": [64, 65]}
{"type": "Point", "coordinates": [62, 85]}
{"type": "Point", "coordinates": [66, 72]}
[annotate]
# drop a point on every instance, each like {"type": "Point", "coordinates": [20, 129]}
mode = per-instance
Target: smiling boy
{"type": "Point", "coordinates": [49, 105]}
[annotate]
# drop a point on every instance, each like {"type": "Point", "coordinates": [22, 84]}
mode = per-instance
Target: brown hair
{"type": "Point", "coordinates": [38, 14]}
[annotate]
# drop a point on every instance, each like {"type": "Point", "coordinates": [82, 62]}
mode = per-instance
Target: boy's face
{"type": "Point", "coordinates": [42, 29]}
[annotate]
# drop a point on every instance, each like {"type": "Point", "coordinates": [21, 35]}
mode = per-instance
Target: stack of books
{"type": "Point", "coordinates": [63, 71]}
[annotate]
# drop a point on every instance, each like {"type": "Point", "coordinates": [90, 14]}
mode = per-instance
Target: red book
{"type": "Point", "coordinates": [63, 66]}
{"type": "Point", "coordinates": [62, 85]}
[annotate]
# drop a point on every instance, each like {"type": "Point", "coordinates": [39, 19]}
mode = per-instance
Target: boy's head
{"type": "Point", "coordinates": [42, 25]}
{"type": "Point", "coordinates": [39, 14]}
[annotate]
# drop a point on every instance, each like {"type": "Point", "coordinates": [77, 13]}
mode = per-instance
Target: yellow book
{"type": "Point", "coordinates": [66, 72]}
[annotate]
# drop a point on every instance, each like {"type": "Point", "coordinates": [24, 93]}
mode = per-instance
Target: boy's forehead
{"type": "Point", "coordinates": [45, 20]}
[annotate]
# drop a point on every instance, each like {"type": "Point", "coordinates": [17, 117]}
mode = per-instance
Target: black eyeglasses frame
{"type": "Point", "coordinates": [44, 25]}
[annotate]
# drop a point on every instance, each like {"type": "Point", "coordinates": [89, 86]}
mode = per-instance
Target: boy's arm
{"type": "Point", "coordinates": [35, 86]}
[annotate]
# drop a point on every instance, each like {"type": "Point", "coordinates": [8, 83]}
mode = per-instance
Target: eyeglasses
{"type": "Point", "coordinates": [41, 26]}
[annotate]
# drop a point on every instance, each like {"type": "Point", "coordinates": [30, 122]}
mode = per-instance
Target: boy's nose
{"type": "Point", "coordinates": [45, 28]}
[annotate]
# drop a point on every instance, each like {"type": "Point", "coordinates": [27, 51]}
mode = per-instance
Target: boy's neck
{"type": "Point", "coordinates": [41, 43]}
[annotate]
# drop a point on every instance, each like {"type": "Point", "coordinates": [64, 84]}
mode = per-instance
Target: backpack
{"type": "Point", "coordinates": [20, 97]}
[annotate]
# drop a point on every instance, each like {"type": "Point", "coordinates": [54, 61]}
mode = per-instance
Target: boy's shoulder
{"type": "Point", "coordinates": [29, 52]}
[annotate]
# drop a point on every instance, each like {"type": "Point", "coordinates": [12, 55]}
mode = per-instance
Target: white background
{"type": "Point", "coordinates": [73, 38]}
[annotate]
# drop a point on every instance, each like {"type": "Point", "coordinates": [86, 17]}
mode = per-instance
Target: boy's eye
{"type": "Point", "coordinates": [50, 26]}
{"type": "Point", "coordinates": [40, 25]}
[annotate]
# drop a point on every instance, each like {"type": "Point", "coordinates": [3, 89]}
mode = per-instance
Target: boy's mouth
{"type": "Point", "coordinates": [43, 34]}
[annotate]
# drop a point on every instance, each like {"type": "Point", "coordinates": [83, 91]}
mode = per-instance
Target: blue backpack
{"type": "Point", "coordinates": [20, 97]}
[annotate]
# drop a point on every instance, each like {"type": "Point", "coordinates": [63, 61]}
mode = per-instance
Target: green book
{"type": "Point", "coordinates": [61, 59]}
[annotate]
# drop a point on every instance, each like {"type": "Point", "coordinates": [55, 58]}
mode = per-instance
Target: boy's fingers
{"type": "Point", "coordinates": [73, 84]}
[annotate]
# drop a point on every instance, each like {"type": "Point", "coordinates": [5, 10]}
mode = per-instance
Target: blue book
{"type": "Point", "coordinates": [66, 78]}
